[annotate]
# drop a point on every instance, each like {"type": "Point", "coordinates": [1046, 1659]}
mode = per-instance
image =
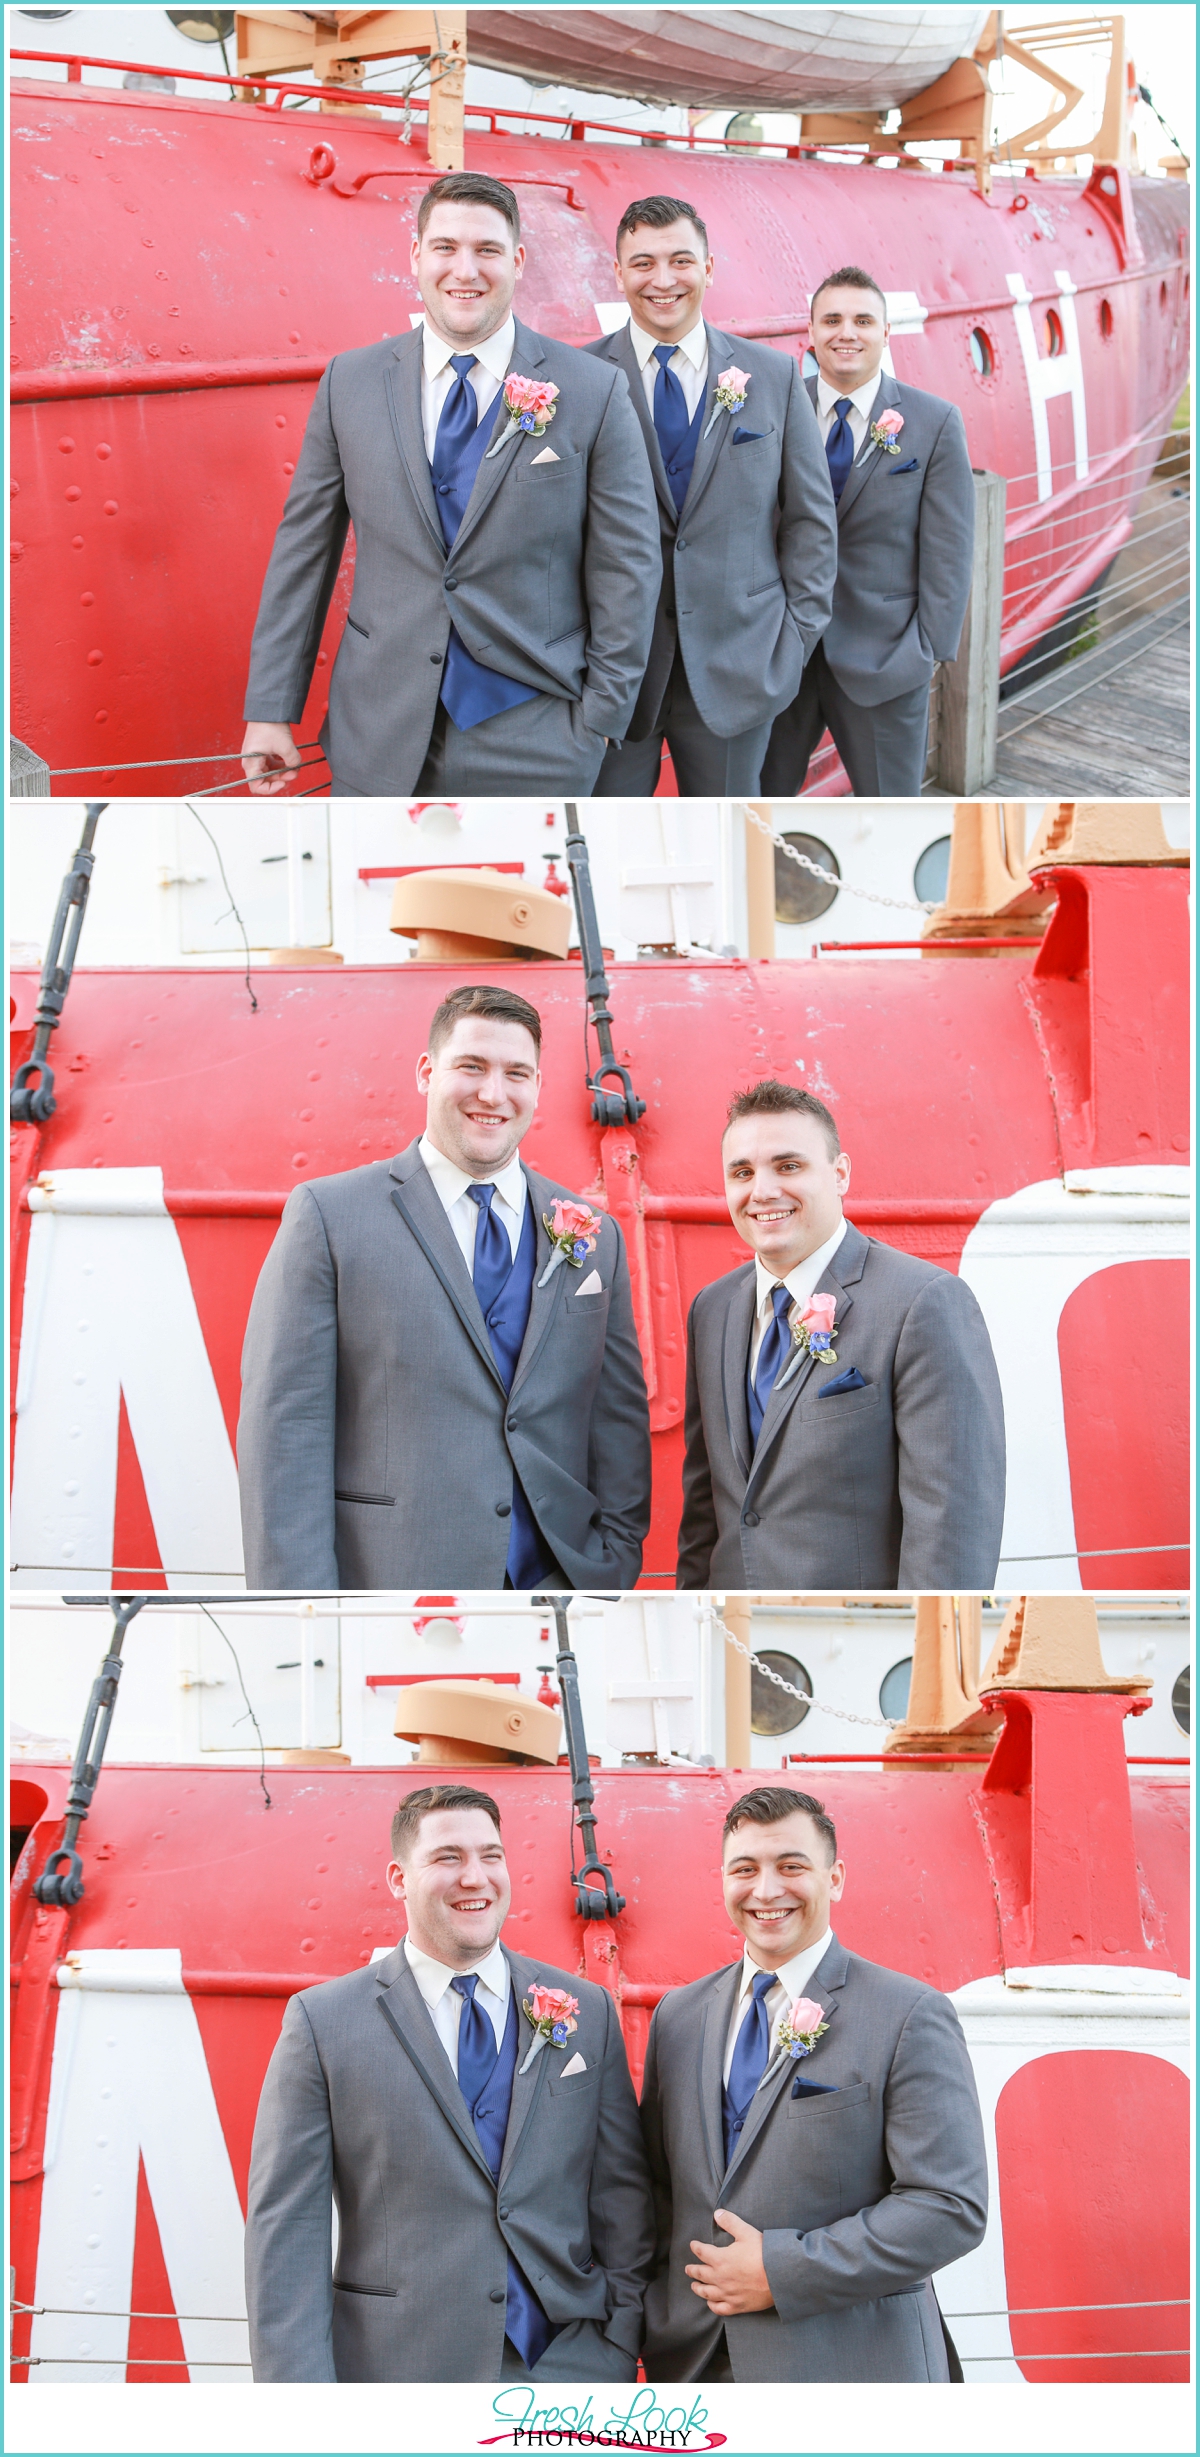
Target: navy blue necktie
{"type": "Point", "coordinates": [493, 1260]}
{"type": "Point", "coordinates": [750, 2050]}
{"type": "Point", "coordinates": [839, 448]}
{"type": "Point", "coordinates": [477, 2048]}
{"type": "Point", "coordinates": [671, 421]}
{"type": "Point", "coordinates": [772, 1355]}
{"type": "Point", "coordinates": [458, 421]}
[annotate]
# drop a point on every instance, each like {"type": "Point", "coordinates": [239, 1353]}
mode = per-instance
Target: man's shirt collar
{"type": "Point", "coordinates": [801, 1282]}
{"type": "Point", "coordinates": [494, 353]}
{"type": "Point", "coordinates": [433, 1978]}
{"type": "Point", "coordinates": [694, 345]}
{"type": "Point", "coordinates": [794, 1975]}
{"type": "Point", "coordinates": [450, 1182]}
{"type": "Point", "coordinates": [861, 400]}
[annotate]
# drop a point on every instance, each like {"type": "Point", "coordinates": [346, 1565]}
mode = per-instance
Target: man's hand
{"type": "Point", "coordinates": [269, 756]}
{"type": "Point", "coordinates": [731, 2278]}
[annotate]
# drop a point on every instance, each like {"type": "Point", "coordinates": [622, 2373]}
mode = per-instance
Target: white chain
{"type": "Point", "coordinates": [829, 878]}
{"type": "Point", "coordinates": [888, 1723]}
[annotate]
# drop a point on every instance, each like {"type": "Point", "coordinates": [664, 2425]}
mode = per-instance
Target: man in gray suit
{"type": "Point", "coordinates": [441, 1379]}
{"type": "Point", "coordinates": [506, 564]}
{"type": "Point", "coordinates": [901, 474]}
{"type": "Point", "coordinates": [488, 2173]}
{"type": "Point", "coordinates": [810, 2173]}
{"type": "Point", "coordinates": [746, 518]}
{"type": "Point", "coordinates": [843, 1419]}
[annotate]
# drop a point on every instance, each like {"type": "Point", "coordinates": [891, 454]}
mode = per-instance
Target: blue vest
{"type": "Point", "coordinates": [524, 2320]}
{"type": "Point", "coordinates": [470, 692]}
{"type": "Point", "coordinates": [679, 467]}
{"type": "Point", "coordinates": [733, 2118]}
{"type": "Point", "coordinates": [528, 1562]}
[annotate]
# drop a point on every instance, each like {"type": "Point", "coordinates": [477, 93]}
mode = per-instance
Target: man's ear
{"type": "Point", "coordinates": [424, 1071]}
{"type": "Point", "coordinates": [395, 1880]}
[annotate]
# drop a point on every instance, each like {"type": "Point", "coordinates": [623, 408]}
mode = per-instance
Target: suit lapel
{"type": "Point", "coordinates": [845, 1265]}
{"type": "Point", "coordinates": [716, 441]}
{"type": "Point", "coordinates": [403, 383]}
{"type": "Point", "coordinates": [734, 1360]}
{"type": "Point", "coordinates": [821, 1990]}
{"type": "Point", "coordinates": [546, 1302]}
{"type": "Point", "coordinates": [870, 457]}
{"type": "Point", "coordinates": [527, 2087]}
{"type": "Point", "coordinates": [625, 357]}
{"type": "Point", "coordinates": [714, 2038]}
{"type": "Point", "coordinates": [527, 359]}
{"type": "Point", "coordinates": [413, 1195]}
{"type": "Point", "coordinates": [407, 2015]}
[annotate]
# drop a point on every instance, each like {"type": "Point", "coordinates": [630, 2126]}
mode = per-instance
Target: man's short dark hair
{"type": "Point", "coordinates": [850, 277]}
{"type": "Point", "coordinates": [471, 188]}
{"type": "Point", "coordinates": [415, 1805]}
{"type": "Point", "coordinates": [480, 998]}
{"type": "Point", "coordinates": [770, 1097]}
{"type": "Point", "coordinates": [658, 213]}
{"type": "Point", "coordinates": [770, 1804]}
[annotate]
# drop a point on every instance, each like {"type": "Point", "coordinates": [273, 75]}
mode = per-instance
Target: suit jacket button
{"type": "Point", "coordinates": [496, 2294]}
{"type": "Point", "coordinates": [504, 2212]}
{"type": "Point", "coordinates": [451, 584]}
{"type": "Point", "coordinates": [434, 658]}
{"type": "Point", "coordinates": [504, 1510]}
{"type": "Point", "coordinates": [680, 543]}
{"type": "Point", "coordinates": [750, 1519]}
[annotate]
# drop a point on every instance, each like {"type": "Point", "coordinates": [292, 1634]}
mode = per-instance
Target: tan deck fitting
{"type": "Point", "coordinates": [470, 915]}
{"type": "Point", "coordinates": [1126, 834]}
{"type": "Point", "coordinates": [477, 1723]}
{"type": "Point", "coordinates": [989, 892]}
{"type": "Point", "coordinates": [1053, 1642]}
{"type": "Point", "coordinates": [944, 1714]}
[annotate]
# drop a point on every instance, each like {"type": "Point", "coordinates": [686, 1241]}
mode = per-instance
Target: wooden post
{"type": "Point", "coordinates": [970, 687]}
{"type": "Point", "coordinates": [737, 1684]}
{"type": "Point", "coordinates": [760, 884]}
{"type": "Point", "coordinates": [446, 91]}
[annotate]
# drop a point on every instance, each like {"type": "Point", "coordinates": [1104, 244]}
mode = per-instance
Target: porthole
{"type": "Point", "coordinates": [203, 25]}
{"type": "Point", "coordinates": [745, 132]}
{"type": "Point", "coordinates": [982, 355]}
{"type": "Point", "coordinates": [1106, 320]}
{"type": "Point", "coordinates": [894, 1689]}
{"type": "Point", "coordinates": [771, 1709]}
{"type": "Point", "coordinates": [1052, 334]}
{"type": "Point", "coordinates": [1181, 1700]}
{"type": "Point", "coordinates": [932, 874]}
{"type": "Point", "coordinates": [798, 896]}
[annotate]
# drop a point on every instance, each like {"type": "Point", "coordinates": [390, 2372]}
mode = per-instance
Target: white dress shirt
{"type": "Point", "coordinates": [799, 1283]}
{"type": "Point", "coordinates": [689, 363]}
{"type": "Point", "coordinates": [450, 1185]}
{"type": "Point", "coordinates": [444, 2002]}
{"type": "Point", "coordinates": [791, 1980]}
{"type": "Point", "coordinates": [438, 376]}
{"type": "Point", "coordinates": [861, 405]}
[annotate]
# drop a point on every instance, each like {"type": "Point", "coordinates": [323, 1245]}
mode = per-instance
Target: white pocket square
{"type": "Point", "coordinates": [576, 2065]}
{"type": "Point", "coordinates": [592, 1286]}
{"type": "Point", "coordinates": [539, 457]}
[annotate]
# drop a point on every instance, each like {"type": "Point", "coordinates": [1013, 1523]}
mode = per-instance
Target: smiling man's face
{"type": "Point", "coordinates": [664, 275]}
{"type": "Point", "coordinates": [467, 268]}
{"type": "Point", "coordinates": [455, 1886]}
{"type": "Point", "coordinates": [481, 1089]}
{"type": "Point", "coordinates": [779, 1882]}
{"type": "Point", "coordinates": [783, 1186]}
{"type": "Point", "coordinates": [849, 335]}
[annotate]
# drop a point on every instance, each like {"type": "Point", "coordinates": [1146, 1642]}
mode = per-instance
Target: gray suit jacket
{"type": "Point", "coordinates": [905, 542]}
{"type": "Point", "coordinates": [376, 1446]}
{"type": "Point", "coordinates": [552, 579]}
{"type": "Point", "coordinates": [360, 2107]}
{"type": "Point", "coordinates": [871, 2178]}
{"type": "Point", "coordinates": [748, 566]}
{"type": "Point", "coordinates": [899, 1484]}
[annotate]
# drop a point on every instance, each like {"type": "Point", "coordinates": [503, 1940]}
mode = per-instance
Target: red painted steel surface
{"type": "Point", "coordinates": [954, 1084]}
{"type": "Point", "coordinates": [179, 281]}
{"type": "Point", "coordinates": [189, 1857]}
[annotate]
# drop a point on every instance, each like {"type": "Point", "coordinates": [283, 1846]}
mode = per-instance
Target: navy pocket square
{"type": "Point", "coordinates": [813, 2090]}
{"type": "Point", "coordinates": [746, 435]}
{"type": "Point", "coordinates": [851, 1381]}
{"type": "Point", "coordinates": [902, 466]}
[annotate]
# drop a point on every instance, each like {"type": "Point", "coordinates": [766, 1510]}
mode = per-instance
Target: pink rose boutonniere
{"type": "Point", "coordinates": [572, 1230]}
{"type": "Point", "coordinates": [732, 388]}
{"type": "Point", "coordinates": [885, 430]}
{"type": "Point", "coordinates": [802, 2025]}
{"type": "Point", "coordinates": [812, 1330]}
{"type": "Point", "coordinates": [530, 409]}
{"type": "Point", "coordinates": [552, 2013]}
